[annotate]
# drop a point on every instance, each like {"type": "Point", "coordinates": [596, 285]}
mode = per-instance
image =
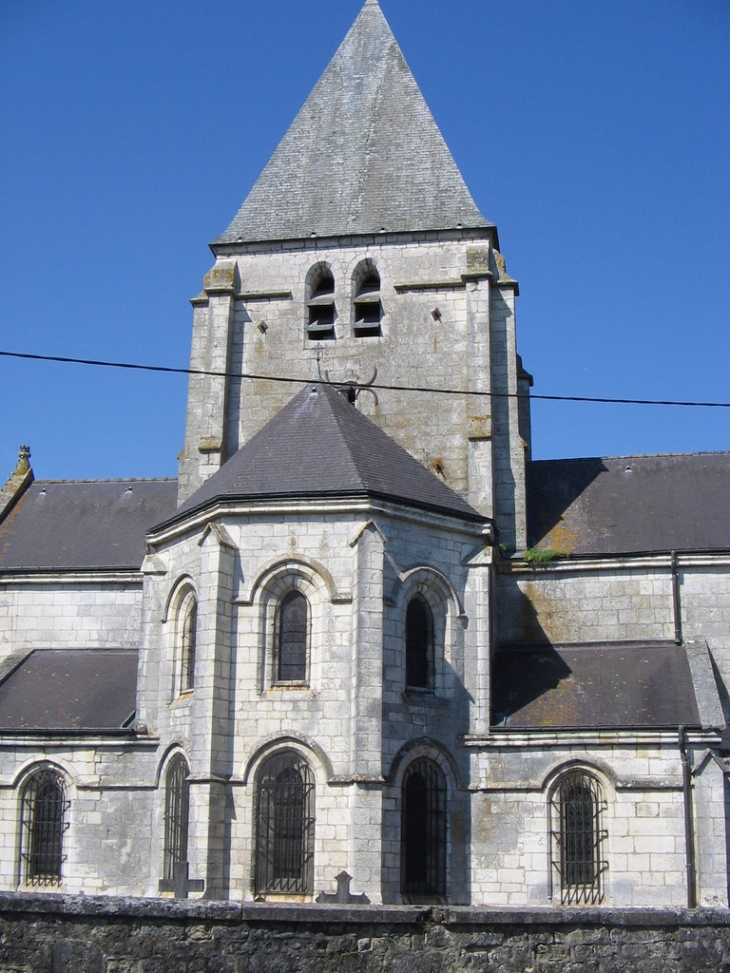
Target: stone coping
{"type": "Point", "coordinates": [199, 910]}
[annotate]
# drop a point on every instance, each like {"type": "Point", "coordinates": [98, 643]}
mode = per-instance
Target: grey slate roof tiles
{"type": "Point", "coordinates": [630, 504]}
{"type": "Point", "coordinates": [69, 690]}
{"type": "Point", "coordinates": [591, 686]}
{"type": "Point", "coordinates": [83, 524]}
{"type": "Point", "coordinates": [363, 154]}
{"type": "Point", "coordinates": [319, 445]}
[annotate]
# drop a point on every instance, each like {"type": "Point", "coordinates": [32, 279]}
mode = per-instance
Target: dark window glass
{"type": "Point", "coordinates": [419, 644]}
{"type": "Point", "coordinates": [42, 828]}
{"type": "Point", "coordinates": [423, 830]}
{"type": "Point", "coordinates": [177, 810]}
{"type": "Point", "coordinates": [188, 643]}
{"type": "Point", "coordinates": [285, 825]}
{"type": "Point", "coordinates": [578, 805]}
{"type": "Point", "coordinates": [292, 638]}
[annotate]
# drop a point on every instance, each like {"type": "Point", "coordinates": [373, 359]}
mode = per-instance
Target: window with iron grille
{"type": "Point", "coordinates": [419, 644]}
{"type": "Point", "coordinates": [284, 825]}
{"type": "Point", "coordinates": [43, 825]}
{"type": "Point", "coordinates": [578, 837]}
{"type": "Point", "coordinates": [292, 638]}
{"type": "Point", "coordinates": [423, 831]}
{"type": "Point", "coordinates": [177, 811]}
{"type": "Point", "coordinates": [188, 623]}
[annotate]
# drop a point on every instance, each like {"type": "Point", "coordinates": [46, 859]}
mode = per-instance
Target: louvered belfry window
{"type": "Point", "coordinates": [419, 644]}
{"type": "Point", "coordinates": [423, 830]}
{"type": "Point", "coordinates": [177, 813]}
{"type": "Point", "coordinates": [44, 808]}
{"type": "Point", "coordinates": [285, 825]}
{"type": "Point", "coordinates": [292, 638]}
{"type": "Point", "coordinates": [578, 838]}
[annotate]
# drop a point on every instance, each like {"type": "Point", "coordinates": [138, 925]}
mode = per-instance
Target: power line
{"type": "Point", "coordinates": [165, 369]}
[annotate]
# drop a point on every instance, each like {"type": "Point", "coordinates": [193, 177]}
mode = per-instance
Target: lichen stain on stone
{"type": "Point", "coordinates": [540, 618]}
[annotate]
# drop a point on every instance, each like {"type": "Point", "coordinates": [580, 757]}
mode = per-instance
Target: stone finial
{"type": "Point", "coordinates": [23, 458]}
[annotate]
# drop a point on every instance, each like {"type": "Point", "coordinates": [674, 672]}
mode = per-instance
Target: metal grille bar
{"type": "Point", "coordinates": [43, 811]}
{"type": "Point", "coordinates": [285, 825]}
{"type": "Point", "coordinates": [423, 830]}
{"type": "Point", "coordinates": [177, 811]}
{"type": "Point", "coordinates": [578, 836]}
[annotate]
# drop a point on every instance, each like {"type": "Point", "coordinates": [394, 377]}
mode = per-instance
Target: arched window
{"type": "Point", "coordinates": [284, 825]}
{"type": "Point", "coordinates": [367, 306]}
{"type": "Point", "coordinates": [578, 836]}
{"type": "Point", "coordinates": [43, 810]}
{"type": "Point", "coordinates": [187, 636]}
{"type": "Point", "coordinates": [177, 812]}
{"type": "Point", "coordinates": [292, 638]}
{"type": "Point", "coordinates": [321, 303]}
{"type": "Point", "coordinates": [423, 830]}
{"type": "Point", "coordinates": [419, 644]}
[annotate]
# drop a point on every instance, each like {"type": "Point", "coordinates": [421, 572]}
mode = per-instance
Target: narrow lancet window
{"type": "Point", "coordinates": [284, 826]}
{"type": "Point", "coordinates": [292, 639]}
{"type": "Point", "coordinates": [423, 831]}
{"type": "Point", "coordinates": [44, 807]}
{"type": "Point", "coordinates": [578, 837]}
{"type": "Point", "coordinates": [419, 644]}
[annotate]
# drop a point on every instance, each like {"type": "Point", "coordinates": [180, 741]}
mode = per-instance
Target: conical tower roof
{"type": "Point", "coordinates": [320, 447]}
{"type": "Point", "coordinates": [364, 154]}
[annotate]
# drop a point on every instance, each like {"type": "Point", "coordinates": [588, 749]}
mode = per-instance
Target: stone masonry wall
{"type": "Point", "coordinates": [65, 934]}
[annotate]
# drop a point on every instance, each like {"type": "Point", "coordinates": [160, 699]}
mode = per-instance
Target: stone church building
{"type": "Point", "coordinates": [363, 632]}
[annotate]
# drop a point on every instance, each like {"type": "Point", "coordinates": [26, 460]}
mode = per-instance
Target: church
{"type": "Point", "coordinates": [364, 648]}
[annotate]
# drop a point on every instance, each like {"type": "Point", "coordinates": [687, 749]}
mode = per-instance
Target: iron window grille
{"type": "Point", "coordinates": [43, 825]}
{"type": "Point", "coordinates": [285, 826]}
{"type": "Point", "coordinates": [188, 642]}
{"type": "Point", "coordinates": [177, 814]}
{"type": "Point", "coordinates": [291, 639]}
{"type": "Point", "coordinates": [423, 831]}
{"type": "Point", "coordinates": [419, 644]}
{"type": "Point", "coordinates": [578, 837]}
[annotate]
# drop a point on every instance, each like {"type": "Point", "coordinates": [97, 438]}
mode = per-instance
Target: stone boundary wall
{"type": "Point", "coordinates": [42, 933]}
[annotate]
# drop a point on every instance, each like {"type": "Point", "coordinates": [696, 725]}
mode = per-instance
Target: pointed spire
{"type": "Point", "coordinates": [363, 155]}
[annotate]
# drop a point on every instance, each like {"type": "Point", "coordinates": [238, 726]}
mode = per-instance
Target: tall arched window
{"type": "Point", "coordinates": [367, 306]}
{"type": "Point", "coordinates": [578, 836]}
{"type": "Point", "coordinates": [321, 303]}
{"type": "Point", "coordinates": [284, 825]}
{"type": "Point", "coordinates": [43, 811]}
{"type": "Point", "coordinates": [177, 812]}
{"type": "Point", "coordinates": [292, 638]}
{"type": "Point", "coordinates": [187, 632]}
{"type": "Point", "coordinates": [423, 830]}
{"type": "Point", "coordinates": [419, 644]}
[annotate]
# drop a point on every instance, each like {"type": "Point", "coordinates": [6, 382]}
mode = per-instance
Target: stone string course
{"type": "Point", "coordinates": [75, 934]}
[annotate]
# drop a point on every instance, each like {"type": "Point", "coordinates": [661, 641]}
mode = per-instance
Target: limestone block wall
{"type": "Point", "coordinates": [643, 820]}
{"type": "Point", "coordinates": [79, 612]}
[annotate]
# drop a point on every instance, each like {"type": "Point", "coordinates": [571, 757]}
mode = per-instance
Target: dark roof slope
{"type": "Point", "coordinates": [364, 153]}
{"type": "Point", "coordinates": [594, 686]}
{"type": "Point", "coordinates": [69, 689]}
{"type": "Point", "coordinates": [630, 504]}
{"type": "Point", "coordinates": [319, 445]}
{"type": "Point", "coordinates": [80, 524]}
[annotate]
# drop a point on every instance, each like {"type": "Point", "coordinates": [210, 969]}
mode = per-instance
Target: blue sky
{"type": "Point", "coordinates": [595, 134]}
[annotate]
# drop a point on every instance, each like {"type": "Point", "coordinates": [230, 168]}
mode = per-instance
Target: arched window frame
{"type": "Point", "coordinates": [578, 838]}
{"type": "Point", "coordinates": [177, 816]}
{"type": "Point", "coordinates": [419, 644]}
{"type": "Point", "coordinates": [447, 635]}
{"type": "Point", "coordinates": [187, 624]}
{"type": "Point", "coordinates": [284, 823]}
{"type": "Point", "coordinates": [367, 305]}
{"type": "Point", "coordinates": [424, 831]}
{"type": "Point", "coordinates": [292, 636]}
{"type": "Point", "coordinates": [43, 825]}
{"type": "Point", "coordinates": [320, 301]}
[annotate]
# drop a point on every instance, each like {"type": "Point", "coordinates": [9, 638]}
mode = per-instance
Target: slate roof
{"type": "Point", "coordinates": [596, 686]}
{"type": "Point", "coordinates": [320, 446]}
{"type": "Point", "coordinates": [83, 524]}
{"type": "Point", "coordinates": [364, 153]}
{"type": "Point", "coordinates": [68, 690]}
{"type": "Point", "coordinates": [630, 504]}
